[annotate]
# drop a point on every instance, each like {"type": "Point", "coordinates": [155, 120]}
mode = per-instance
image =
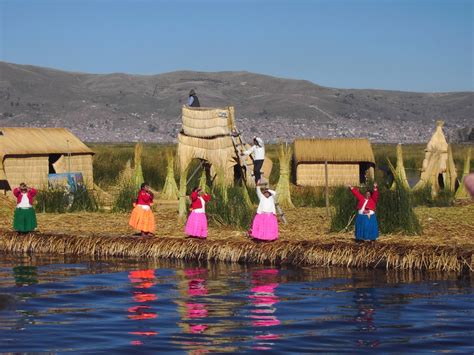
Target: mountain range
{"type": "Point", "coordinates": [124, 107]}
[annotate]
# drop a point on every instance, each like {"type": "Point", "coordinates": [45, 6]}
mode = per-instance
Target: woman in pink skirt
{"type": "Point", "coordinates": [196, 226]}
{"type": "Point", "coordinates": [265, 223]}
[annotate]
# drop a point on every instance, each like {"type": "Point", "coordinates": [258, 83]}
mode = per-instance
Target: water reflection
{"type": "Point", "coordinates": [142, 281]}
{"type": "Point", "coordinates": [263, 298]}
{"type": "Point", "coordinates": [365, 301]}
{"type": "Point", "coordinates": [220, 308]}
{"type": "Point", "coordinates": [25, 275]}
{"type": "Point", "coordinates": [196, 311]}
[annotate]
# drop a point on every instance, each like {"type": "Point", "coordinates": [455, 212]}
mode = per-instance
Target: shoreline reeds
{"type": "Point", "coordinates": [297, 253]}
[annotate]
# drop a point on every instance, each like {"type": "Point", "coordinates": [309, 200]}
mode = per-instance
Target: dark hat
{"type": "Point", "coordinates": [192, 92]}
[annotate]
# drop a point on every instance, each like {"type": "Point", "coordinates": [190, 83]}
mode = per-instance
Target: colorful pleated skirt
{"type": "Point", "coordinates": [196, 225]}
{"type": "Point", "coordinates": [24, 220]}
{"type": "Point", "coordinates": [142, 219]}
{"type": "Point", "coordinates": [264, 227]}
{"type": "Point", "coordinates": [366, 227]}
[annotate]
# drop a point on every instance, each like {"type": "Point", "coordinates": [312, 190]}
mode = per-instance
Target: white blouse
{"type": "Point", "coordinates": [258, 152]}
{"type": "Point", "coordinates": [266, 205]}
{"type": "Point", "coordinates": [25, 201]}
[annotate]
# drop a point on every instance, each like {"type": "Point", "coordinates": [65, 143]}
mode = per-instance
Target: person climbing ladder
{"type": "Point", "coordinates": [258, 152]}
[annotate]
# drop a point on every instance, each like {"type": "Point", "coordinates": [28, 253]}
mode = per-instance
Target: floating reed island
{"type": "Point", "coordinates": [447, 244]}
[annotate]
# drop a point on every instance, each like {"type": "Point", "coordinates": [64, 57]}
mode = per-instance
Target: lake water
{"type": "Point", "coordinates": [122, 306]}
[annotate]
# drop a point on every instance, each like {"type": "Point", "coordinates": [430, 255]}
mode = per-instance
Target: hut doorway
{"type": "Point", "coordinates": [4, 186]}
{"type": "Point", "coordinates": [364, 171]}
{"type": "Point", "coordinates": [52, 159]}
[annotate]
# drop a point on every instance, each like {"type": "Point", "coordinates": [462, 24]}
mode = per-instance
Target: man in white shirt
{"type": "Point", "coordinates": [258, 152]}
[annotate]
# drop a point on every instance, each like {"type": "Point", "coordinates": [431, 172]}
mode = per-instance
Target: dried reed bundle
{"type": "Point", "coordinates": [137, 166]}
{"type": "Point", "coordinates": [462, 193]}
{"type": "Point", "coordinates": [170, 189]}
{"type": "Point", "coordinates": [400, 256]}
{"type": "Point", "coordinates": [400, 170]}
{"type": "Point", "coordinates": [283, 187]}
{"type": "Point", "coordinates": [182, 210]}
{"type": "Point", "coordinates": [429, 175]}
{"type": "Point", "coordinates": [451, 175]}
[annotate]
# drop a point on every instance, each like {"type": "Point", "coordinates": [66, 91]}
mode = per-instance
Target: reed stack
{"type": "Point", "coordinates": [283, 188]}
{"type": "Point", "coordinates": [170, 188]}
{"type": "Point", "coordinates": [462, 193]}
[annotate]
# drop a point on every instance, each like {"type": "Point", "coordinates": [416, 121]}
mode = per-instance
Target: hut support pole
{"type": "Point", "coordinates": [326, 184]}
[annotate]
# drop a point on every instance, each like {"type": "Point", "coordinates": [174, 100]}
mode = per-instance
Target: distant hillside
{"type": "Point", "coordinates": [122, 107]}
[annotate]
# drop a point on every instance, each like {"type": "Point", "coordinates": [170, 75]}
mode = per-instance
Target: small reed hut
{"type": "Point", "coordinates": [438, 168]}
{"type": "Point", "coordinates": [349, 161]}
{"type": "Point", "coordinates": [207, 135]}
{"type": "Point", "coordinates": [30, 154]}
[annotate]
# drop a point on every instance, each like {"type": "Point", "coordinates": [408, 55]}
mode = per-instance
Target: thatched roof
{"type": "Point", "coordinates": [38, 141]}
{"type": "Point", "coordinates": [333, 150]}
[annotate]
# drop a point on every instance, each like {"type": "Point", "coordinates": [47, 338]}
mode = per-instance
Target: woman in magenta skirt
{"type": "Point", "coordinates": [196, 226]}
{"type": "Point", "coordinates": [265, 223]}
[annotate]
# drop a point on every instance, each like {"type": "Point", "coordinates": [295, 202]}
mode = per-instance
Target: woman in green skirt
{"type": "Point", "coordinates": [24, 220]}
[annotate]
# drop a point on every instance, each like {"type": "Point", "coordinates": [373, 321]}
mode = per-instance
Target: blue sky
{"type": "Point", "coordinates": [410, 45]}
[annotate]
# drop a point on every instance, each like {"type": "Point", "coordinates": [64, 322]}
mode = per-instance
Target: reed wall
{"type": "Point", "coordinates": [338, 174]}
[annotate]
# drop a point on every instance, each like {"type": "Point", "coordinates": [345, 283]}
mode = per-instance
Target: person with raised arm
{"type": "Point", "coordinates": [196, 225]}
{"type": "Point", "coordinates": [24, 219]}
{"type": "Point", "coordinates": [366, 225]}
{"type": "Point", "coordinates": [265, 223]}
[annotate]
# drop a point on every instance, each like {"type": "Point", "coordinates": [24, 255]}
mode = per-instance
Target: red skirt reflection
{"type": "Point", "coordinates": [142, 281]}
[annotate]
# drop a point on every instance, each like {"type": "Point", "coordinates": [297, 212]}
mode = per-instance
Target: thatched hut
{"type": "Point", "coordinates": [30, 154]}
{"type": "Point", "coordinates": [349, 161]}
{"type": "Point", "coordinates": [207, 135]}
{"type": "Point", "coordinates": [438, 168]}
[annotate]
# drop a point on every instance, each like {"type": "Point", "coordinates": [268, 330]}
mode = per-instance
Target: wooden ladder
{"type": "Point", "coordinates": [239, 146]}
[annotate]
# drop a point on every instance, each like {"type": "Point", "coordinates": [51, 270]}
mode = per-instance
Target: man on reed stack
{"type": "Point", "coordinates": [193, 100]}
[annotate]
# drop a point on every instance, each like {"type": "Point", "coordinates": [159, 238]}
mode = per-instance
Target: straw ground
{"type": "Point", "coordinates": [447, 243]}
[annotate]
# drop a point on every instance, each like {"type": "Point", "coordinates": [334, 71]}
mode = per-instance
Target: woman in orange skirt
{"type": "Point", "coordinates": [142, 218]}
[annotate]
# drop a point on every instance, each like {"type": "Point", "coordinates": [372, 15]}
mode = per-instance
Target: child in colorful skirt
{"type": "Point", "coordinates": [142, 218]}
{"type": "Point", "coordinates": [265, 223]}
{"type": "Point", "coordinates": [24, 220]}
{"type": "Point", "coordinates": [366, 226]}
{"type": "Point", "coordinates": [196, 226]}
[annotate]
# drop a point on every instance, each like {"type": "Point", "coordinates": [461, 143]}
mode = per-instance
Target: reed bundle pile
{"type": "Point", "coordinates": [438, 160]}
{"type": "Point", "coordinates": [462, 193]}
{"type": "Point", "coordinates": [283, 187]}
{"type": "Point", "coordinates": [170, 189]}
{"type": "Point", "coordinates": [300, 253]}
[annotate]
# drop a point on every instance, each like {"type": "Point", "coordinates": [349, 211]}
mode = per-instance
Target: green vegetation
{"type": "Point", "coordinates": [344, 204]}
{"type": "Point", "coordinates": [59, 200]}
{"type": "Point", "coordinates": [307, 196]}
{"type": "Point", "coordinates": [235, 210]}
